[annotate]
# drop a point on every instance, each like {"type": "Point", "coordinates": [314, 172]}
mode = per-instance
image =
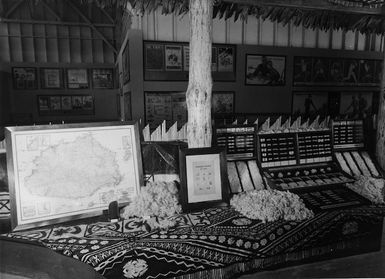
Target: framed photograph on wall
{"type": "Point", "coordinates": [65, 104]}
{"type": "Point", "coordinates": [320, 70]}
{"type": "Point", "coordinates": [126, 64]}
{"type": "Point", "coordinates": [51, 78]}
{"type": "Point", "coordinates": [222, 102]}
{"type": "Point", "coordinates": [336, 71]}
{"type": "Point", "coordinates": [203, 174]}
{"type": "Point", "coordinates": [225, 59]}
{"type": "Point", "coordinates": [77, 79]}
{"type": "Point", "coordinates": [302, 70]}
{"type": "Point", "coordinates": [265, 69]}
{"type": "Point", "coordinates": [366, 71]}
{"type": "Point", "coordinates": [154, 57]}
{"type": "Point", "coordinates": [356, 104]}
{"type": "Point", "coordinates": [173, 56]}
{"type": "Point", "coordinates": [103, 78]}
{"type": "Point", "coordinates": [351, 71]}
{"type": "Point", "coordinates": [24, 78]}
{"type": "Point", "coordinates": [50, 191]}
{"type": "Point", "coordinates": [308, 104]}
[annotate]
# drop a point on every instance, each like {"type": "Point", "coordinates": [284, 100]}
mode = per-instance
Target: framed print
{"type": "Point", "coordinates": [158, 107]}
{"type": "Point", "coordinates": [222, 102]}
{"type": "Point", "coordinates": [66, 103]}
{"type": "Point", "coordinates": [154, 57]}
{"type": "Point", "coordinates": [302, 70]}
{"type": "Point", "coordinates": [351, 71]}
{"type": "Point", "coordinates": [320, 70]}
{"type": "Point", "coordinates": [55, 103]}
{"type": "Point", "coordinates": [366, 71]}
{"type": "Point", "coordinates": [102, 78]}
{"type": "Point", "coordinates": [173, 55]}
{"type": "Point", "coordinates": [24, 78]}
{"type": "Point", "coordinates": [309, 104]}
{"type": "Point", "coordinates": [43, 103]}
{"type": "Point", "coordinates": [336, 71]}
{"type": "Point", "coordinates": [204, 181]}
{"type": "Point", "coordinates": [179, 107]}
{"type": "Point", "coordinates": [59, 183]}
{"type": "Point", "coordinates": [186, 58]}
{"type": "Point", "coordinates": [377, 71]}
{"type": "Point", "coordinates": [51, 78]}
{"type": "Point", "coordinates": [265, 70]}
{"type": "Point", "coordinates": [126, 64]}
{"type": "Point", "coordinates": [77, 78]}
{"type": "Point", "coordinates": [356, 104]}
{"type": "Point", "coordinates": [225, 59]}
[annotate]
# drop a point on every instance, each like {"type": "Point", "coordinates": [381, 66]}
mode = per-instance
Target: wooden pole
{"type": "Point", "coordinates": [380, 144]}
{"type": "Point", "coordinates": [198, 95]}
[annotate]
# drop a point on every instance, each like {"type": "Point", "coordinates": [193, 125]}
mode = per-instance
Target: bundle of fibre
{"type": "Point", "coordinates": [271, 205]}
{"type": "Point", "coordinates": [157, 199]}
{"type": "Point", "coordinates": [371, 188]}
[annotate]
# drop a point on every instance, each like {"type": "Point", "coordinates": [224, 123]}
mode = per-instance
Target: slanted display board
{"type": "Point", "coordinates": [65, 172]}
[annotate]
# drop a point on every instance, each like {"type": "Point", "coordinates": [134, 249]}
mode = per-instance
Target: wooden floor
{"type": "Point", "coordinates": [370, 265]}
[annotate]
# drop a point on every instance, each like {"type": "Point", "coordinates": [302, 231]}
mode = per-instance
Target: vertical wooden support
{"type": "Point", "coordinates": [380, 144]}
{"type": "Point", "coordinates": [198, 95]}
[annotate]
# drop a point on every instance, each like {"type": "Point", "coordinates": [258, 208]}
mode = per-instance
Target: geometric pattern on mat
{"type": "Point", "coordinates": [5, 207]}
{"type": "Point", "coordinates": [214, 243]}
{"type": "Point", "coordinates": [357, 163]}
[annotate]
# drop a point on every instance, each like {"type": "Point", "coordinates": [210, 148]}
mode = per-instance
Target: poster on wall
{"type": "Point", "coordinates": [24, 78]}
{"type": "Point", "coordinates": [158, 107]}
{"type": "Point", "coordinates": [50, 191]}
{"type": "Point", "coordinates": [366, 71]}
{"type": "Point", "coordinates": [55, 103]}
{"type": "Point", "coordinates": [351, 71]}
{"type": "Point", "coordinates": [77, 78]}
{"type": "Point", "coordinates": [356, 104]}
{"type": "Point", "coordinates": [51, 78]}
{"type": "Point", "coordinates": [65, 104]}
{"type": "Point", "coordinates": [320, 70]}
{"type": "Point", "coordinates": [173, 57]}
{"type": "Point", "coordinates": [302, 70]}
{"type": "Point", "coordinates": [225, 59]}
{"type": "Point", "coordinates": [126, 64]}
{"type": "Point", "coordinates": [179, 108]}
{"type": "Point", "coordinates": [222, 102]}
{"type": "Point", "coordinates": [308, 104]}
{"type": "Point", "coordinates": [336, 71]}
{"type": "Point", "coordinates": [265, 70]}
{"type": "Point", "coordinates": [186, 58]}
{"type": "Point", "coordinates": [102, 78]}
{"type": "Point", "coordinates": [154, 57]}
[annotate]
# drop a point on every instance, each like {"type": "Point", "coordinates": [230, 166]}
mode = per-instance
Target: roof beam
{"type": "Point", "coordinates": [310, 5]}
{"type": "Point", "coordinates": [13, 8]}
{"type": "Point", "coordinates": [55, 14]}
{"type": "Point", "coordinates": [85, 18]}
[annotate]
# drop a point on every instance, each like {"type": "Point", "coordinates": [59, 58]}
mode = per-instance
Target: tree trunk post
{"type": "Point", "coordinates": [198, 95]}
{"type": "Point", "coordinates": [380, 144]}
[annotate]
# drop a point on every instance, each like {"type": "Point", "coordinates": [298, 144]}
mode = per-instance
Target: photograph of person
{"type": "Point", "coordinates": [336, 71]}
{"type": "Point", "coordinates": [308, 104]}
{"type": "Point", "coordinates": [350, 71]}
{"type": "Point", "coordinates": [320, 69]}
{"type": "Point", "coordinates": [265, 70]}
{"type": "Point", "coordinates": [356, 104]}
{"type": "Point", "coordinates": [302, 70]}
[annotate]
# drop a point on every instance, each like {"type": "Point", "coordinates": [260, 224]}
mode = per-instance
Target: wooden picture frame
{"type": "Point", "coordinates": [222, 102]}
{"type": "Point", "coordinates": [60, 183]}
{"type": "Point", "coordinates": [265, 70]}
{"type": "Point", "coordinates": [103, 78]}
{"type": "Point", "coordinates": [51, 78]}
{"type": "Point", "coordinates": [77, 79]}
{"type": "Point", "coordinates": [65, 105]}
{"type": "Point", "coordinates": [204, 181]}
{"type": "Point", "coordinates": [24, 78]}
{"type": "Point", "coordinates": [310, 104]}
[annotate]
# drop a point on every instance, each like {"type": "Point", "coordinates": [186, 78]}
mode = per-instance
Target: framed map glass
{"type": "Point", "coordinates": [51, 170]}
{"type": "Point", "coordinates": [51, 78]}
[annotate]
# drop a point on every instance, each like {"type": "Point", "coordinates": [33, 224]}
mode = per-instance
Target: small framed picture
{"type": "Point", "coordinates": [265, 70]}
{"type": "Point", "coordinates": [356, 104]}
{"type": "Point", "coordinates": [103, 78]}
{"type": "Point", "coordinates": [302, 70]}
{"type": "Point", "coordinates": [154, 57]}
{"type": "Point", "coordinates": [222, 102]}
{"type": "Point", "coordinates": [24, 78]}
{"type": "Point", "coordinates": [204, 181]}
{"type": "Point", "coordinates": [77, 79]}
{"type": "Point", "coordinates": [225, 59]}
{"type": "Point", "coordinates": [320, 70]}
{"type": "Point", "coordinates": [309, 104]}
{"type": "Point", "coordinates": [173, 57]}
{"type": "Point", "coordinates": [51, 78]}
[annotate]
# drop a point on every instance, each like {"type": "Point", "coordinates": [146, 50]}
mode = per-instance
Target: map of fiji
{"type": "Point", "coordinates": [73, 170]}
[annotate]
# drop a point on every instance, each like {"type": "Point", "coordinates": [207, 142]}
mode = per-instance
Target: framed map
{"type": "Point", "coordinates": [65, 172]}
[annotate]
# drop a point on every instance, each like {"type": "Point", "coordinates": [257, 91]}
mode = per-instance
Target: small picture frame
{"type": "Point", "coordinates": [77, 79]}
{"type": "Point", "coordinates": [24, 78]}
{"type": "Point", "coordinates": [51, 78]}
{"type": "Point", "coordinates": [204, 181]}
{"type": "Point", "coordinates": [265, 70]}
{"type": "Point", "coordinates": [225, 59]}
{"type": "Point", "coordinates": [103, 78]}
{"type": "Point", "coordinates": [173, 56]}
{"type": "Point", "coordinates": [154, 57]}
{"type": "Point", "coordinates": [222, 102]}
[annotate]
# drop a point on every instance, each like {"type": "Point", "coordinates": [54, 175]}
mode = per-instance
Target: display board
{"type": "Point", "coordinates": [314, 147]}
{"type": "Point", "coordinates": [348, 134]}
{"type": "Point", "coordinates": [277, 149]}
{"type": "Point", "coordinates": [171, 61]}
{"type": "Point", "coordinates": [63, 172]}
{"type": "Point", "coordinates": [239, 141]}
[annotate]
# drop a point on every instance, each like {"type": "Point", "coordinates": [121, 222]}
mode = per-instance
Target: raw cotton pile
{"type": "Point", "coordinates": [271, 205]}
{"type": "Point", "coordinates": [158, 199]}
{"type": "Point", "coordinates": [371, 188]}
